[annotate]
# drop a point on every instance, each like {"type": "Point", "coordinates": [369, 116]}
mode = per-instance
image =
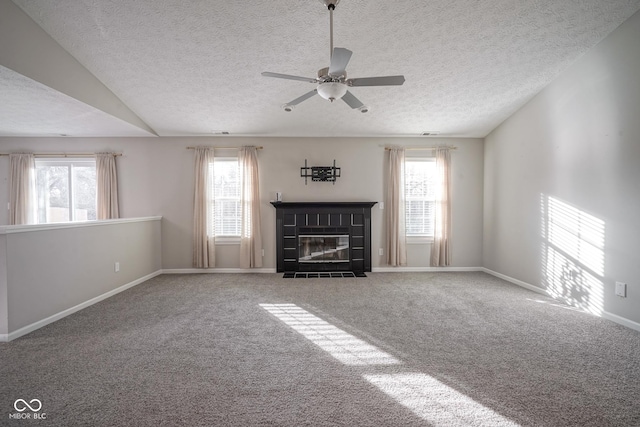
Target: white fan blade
{"type": "Point", "coordinates": [376, 81]}
{"type": "Point", "coordinates": [351, 100]}
{"type": "Point", "coordinates": [339, 60]}
{"type": "Point", "coordinates": [304, 97]}
{"type": "Point", "coordinates": [289, 77]}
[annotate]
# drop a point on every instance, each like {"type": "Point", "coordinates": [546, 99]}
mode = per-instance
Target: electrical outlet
{"type": "Point", "coordinates": [621, 289]}
{"type": "Point", "coordinates": [263, 252]}
{"type": "Point", "coordinates": [381, 204]}
{"type": "Point", "coordinates": [117, 267]}
{"type": "Point", "coordinates": [380, 251]}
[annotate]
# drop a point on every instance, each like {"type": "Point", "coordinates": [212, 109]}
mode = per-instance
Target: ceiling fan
{"type": "Point", "coordinates": [332, 82]}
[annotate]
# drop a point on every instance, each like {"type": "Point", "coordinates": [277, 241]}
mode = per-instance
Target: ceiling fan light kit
{"type": "Point", "coordinates": [332, 90]}
{"type": "Point", "coordinates": [332, 82]}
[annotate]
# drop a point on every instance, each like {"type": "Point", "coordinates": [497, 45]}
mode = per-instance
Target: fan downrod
{"type": "Point", "coordinates": [331, 6]}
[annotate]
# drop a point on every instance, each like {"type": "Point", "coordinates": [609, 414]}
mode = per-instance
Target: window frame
{"type": "Point", "coordinates": [70, 163]}
{"type": "Point", "coordinates": [418, 238]}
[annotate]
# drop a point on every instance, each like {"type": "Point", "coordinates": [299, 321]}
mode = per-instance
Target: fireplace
{"type": "Point", "coordinates": [323, 237]}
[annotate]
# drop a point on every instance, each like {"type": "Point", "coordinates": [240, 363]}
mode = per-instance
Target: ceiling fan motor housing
{"type": "Point", "coordinates": [324, 76]}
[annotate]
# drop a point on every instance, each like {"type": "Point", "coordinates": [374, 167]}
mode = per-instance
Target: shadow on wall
{"type": "Point", "coordinates": [572, 255]}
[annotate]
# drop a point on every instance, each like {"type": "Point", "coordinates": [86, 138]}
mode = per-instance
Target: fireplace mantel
{"type": "Point", "coordinates": [294, 219]}
{"type": "Point", "coordinates": [332, 205]}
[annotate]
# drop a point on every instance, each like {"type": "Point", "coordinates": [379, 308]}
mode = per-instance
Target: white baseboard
{"type": "Point", "coordinates": [621, 320]}
{"type": "Point", "coordinates": [217, 270]}
{"type": "Point", "coordinates": [273, 270]}
{"type": "Point", "coordinates": [516, 282]}
{"type": "Point", "coordinates": [40, 323]}
{"type": "Point", "coordinates": [605, 314]}
{"type": "Point", "coordinates": [422, 269]}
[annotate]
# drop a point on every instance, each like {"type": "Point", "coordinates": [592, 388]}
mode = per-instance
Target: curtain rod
{"type": "Point", "coordinates": [225, 148]}
{"type": "Point", "coordinates": [61, 154]}
{"type": "Point", "coordinates": [424, 148]}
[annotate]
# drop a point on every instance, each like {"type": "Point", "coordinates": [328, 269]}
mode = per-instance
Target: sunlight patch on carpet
{"type": "Point", "coordinates": [435, 402]}
{"type": "Point", "coordinates": [341, 345]}
{"type": "Point", "coordinates": [425, 396]}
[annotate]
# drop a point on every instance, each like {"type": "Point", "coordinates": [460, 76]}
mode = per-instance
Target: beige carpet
{"type": "Point", "coordinates": [391, 349]}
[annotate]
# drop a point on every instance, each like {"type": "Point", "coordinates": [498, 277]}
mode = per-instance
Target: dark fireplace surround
{"type": "Point", "coordinates": [323, 236]}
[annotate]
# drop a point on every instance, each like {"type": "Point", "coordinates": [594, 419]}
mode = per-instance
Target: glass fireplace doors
{"type": "Point", "coordinates": [323, 248]}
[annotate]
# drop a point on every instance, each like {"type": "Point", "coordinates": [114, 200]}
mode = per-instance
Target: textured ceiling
{"type": "Point", "coordinates": [193, 67]}
{"type": "Point", "coordinates": [31, 108]}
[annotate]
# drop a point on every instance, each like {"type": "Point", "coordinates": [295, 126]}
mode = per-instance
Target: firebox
{"type": "Point", "coordinates": [323, 248]}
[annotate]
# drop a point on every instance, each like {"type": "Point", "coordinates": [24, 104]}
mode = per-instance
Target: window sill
{"type": "Point", "coordinates": [227, 240]}
{"type": "Point", "coordinates": [419, 240]}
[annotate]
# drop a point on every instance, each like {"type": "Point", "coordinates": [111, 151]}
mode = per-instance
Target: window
{"type": "Point", "coordinates": [419, 175]}
{"type": "Point", "coordinates": [65, 190]}
{"type": "Point", "coordinates": [226, 196]}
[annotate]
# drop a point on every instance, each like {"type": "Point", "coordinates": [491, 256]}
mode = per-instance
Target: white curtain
{"type": "Point", "coordinates": [441, 250]}
{"type": "Point", "coordinates": [251, 234]}
{"type": "Point", "coordinates": [107, 186]}
{"type": "Point", "coordinates": [22, 189]}
{"type": "Point", "coordinates": [203, 205]}
{"type": "Point", "coordinates": [395, 218]}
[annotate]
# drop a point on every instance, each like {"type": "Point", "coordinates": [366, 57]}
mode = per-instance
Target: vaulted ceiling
{"type": "Point", "coordinates": [193, 67]}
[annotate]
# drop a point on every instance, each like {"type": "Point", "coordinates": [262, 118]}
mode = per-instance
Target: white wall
{"type": "Point", "coordinates": [50, 269]}
{"type": "Point", "coordinates": [4, 315]}
{"type": "Point", "coordinates": [577, 142]}
{"type": "Point", "coordinates": [156, 178]}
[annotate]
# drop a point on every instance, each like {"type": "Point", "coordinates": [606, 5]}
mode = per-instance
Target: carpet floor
{"type": "Point", "coordinates": [391, 349]}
